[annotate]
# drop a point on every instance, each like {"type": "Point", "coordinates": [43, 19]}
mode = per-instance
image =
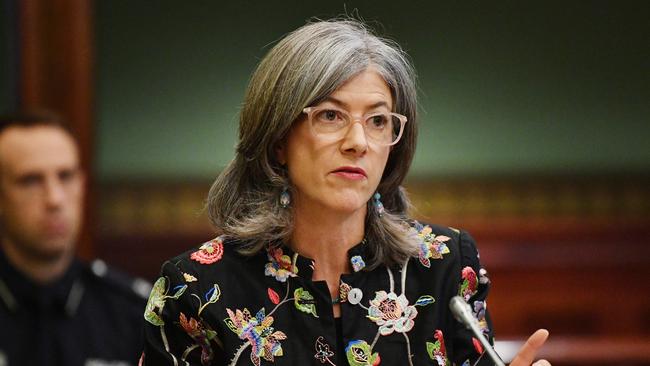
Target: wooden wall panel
{"type": "Point", "coordinates": [571, 254]}
{"type": "Point", "coordinates": [56, 74]}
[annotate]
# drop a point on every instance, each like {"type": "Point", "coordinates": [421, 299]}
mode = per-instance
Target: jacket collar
{"type": "Point", "coordinates": [19, 291]}
{"type": "Point", "coordinates": [282, 257]}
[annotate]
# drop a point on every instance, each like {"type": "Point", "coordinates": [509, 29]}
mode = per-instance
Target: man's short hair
{"type": "Point", "coordinates": [34, 118]}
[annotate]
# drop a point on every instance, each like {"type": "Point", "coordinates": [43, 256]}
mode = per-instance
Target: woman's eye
{"type": "Point", "coordinates": [378, 121]}
{"type": "Point", "coordinates": [328, 115]}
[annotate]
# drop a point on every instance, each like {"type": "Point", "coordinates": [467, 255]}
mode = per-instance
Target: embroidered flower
{"type": "Point", "coordinates": [479, 313]}
{"type": "Point", "coordinates": [391, 313]}
{"type": "Point", "coordinates": [437, 350]}
{"type": "Point", "coordinates": [280, 266]}
{"type": "Point", "coordinates": [201, 333]}
{"type": "Point", "coordinates": [359, 353]}
{"type": "Point", "coordinates": [431, 246]}
{"type": "Point", "coordinates": [189, 278]}
{"type": "Point", "coordinates": [344, 289]}
{"type": "Point", "coordinates": [357, 263]}
{"type": "Point", "coordinates": [257, 331]}
{"type": "Point", "coordinates": [209, 252]}
{"type": "Point", "coordinates": [468, 285]}
{"type": "Point", "coordinates": [483, 278]}
{"type": "Point", "coordinates": [323, 352]}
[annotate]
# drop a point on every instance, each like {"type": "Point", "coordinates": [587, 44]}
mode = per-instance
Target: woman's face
{"type": "Point", "coordinates": [339, 174]}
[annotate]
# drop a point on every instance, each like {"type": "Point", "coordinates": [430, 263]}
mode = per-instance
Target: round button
{"type": "Point", "coordinates": [354, 296]}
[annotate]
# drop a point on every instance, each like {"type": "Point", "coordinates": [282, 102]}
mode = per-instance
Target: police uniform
{"type": "Point", "coordinates": [92, 316]}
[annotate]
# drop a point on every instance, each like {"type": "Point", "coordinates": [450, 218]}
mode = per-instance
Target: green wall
{"type": "Point", "coordinates": [541, 87]}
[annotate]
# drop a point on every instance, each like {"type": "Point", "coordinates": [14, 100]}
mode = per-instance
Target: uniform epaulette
{"type": "Point", "coordinates": [115, 278]}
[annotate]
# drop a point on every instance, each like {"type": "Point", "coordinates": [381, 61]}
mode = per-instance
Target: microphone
{"type": "Point", "coordinates": [463, 313]}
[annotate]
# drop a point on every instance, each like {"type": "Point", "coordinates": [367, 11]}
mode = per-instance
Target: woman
{"type": "Point", "coordinates": [317, 261]}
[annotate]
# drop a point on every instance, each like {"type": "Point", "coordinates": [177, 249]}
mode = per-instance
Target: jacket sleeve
{"type": "Point", "coordinates": [174, 332]}
{"type": "Point", "coordinates": [473, 287]}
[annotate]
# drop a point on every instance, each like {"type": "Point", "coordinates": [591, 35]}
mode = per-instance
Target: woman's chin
{"type": "Point", "coordinates": [348, 205]}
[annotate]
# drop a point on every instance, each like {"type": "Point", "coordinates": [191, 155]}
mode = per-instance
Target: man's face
{"type": "Point", "coordinates": [41, 191]}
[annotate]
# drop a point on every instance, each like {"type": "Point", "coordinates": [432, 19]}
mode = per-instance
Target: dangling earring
{"type": "Point", "coordinates": [285, 198]}
{"type": "Point", "coordinates": [379, 207]}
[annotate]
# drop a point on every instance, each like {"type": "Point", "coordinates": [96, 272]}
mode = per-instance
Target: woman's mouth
{"type": "Point", "coordinates": [349, 172]}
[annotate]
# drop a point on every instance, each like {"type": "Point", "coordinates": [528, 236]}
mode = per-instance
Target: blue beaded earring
{"type": "Point", "coordinates": [285, 198]}
{"type": "Point", "coordinates": [379, 207]}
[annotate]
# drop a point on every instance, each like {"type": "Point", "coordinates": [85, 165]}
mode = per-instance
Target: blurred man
{"type": "Point", "coordinates": [54, 309]}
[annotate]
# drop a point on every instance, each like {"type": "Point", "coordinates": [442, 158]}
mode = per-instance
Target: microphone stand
{"type": "Point", "coordinates": [463, 313]}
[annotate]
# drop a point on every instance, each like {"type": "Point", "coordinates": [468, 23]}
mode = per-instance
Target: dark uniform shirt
{"type": "Point", "coordinates": [213, 306]}
{"type": "Point", "coordinates": [92, 316]}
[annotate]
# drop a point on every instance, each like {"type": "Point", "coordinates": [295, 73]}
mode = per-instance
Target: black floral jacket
{"type": "Point", "coordinates": [212, 306]}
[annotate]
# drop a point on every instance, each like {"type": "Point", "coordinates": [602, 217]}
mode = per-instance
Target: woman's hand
{"type": "Point", "coordinates": [527, 352]}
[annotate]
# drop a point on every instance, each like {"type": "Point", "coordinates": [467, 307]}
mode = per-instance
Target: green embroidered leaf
{"type": "Point", "coordinates": [431, 348]}
{"type": "Point", "coordinates": [156, 303]}
{"type": "Point", "coordinates": [231, 325]}
{"type": "Point", "coordinates": [153, 318]}
{"type": "Point", "coordinates": [358, 353]}
{"type": "Point", "coordinates": [304, 301]}
{"type": "Point", "coordinates": [159, 286]}
{"type": "Point", "coordinates": [215, 294]}
{"type": "Point", "coordinates": [463, 287]}
{"type": "Point", "coordinates": [180, 290]}
{"type": "Point", "coordinates": [278, 351]}
{"type": "Point", "coordinates": [210, 334]}
{"type": "Point", "coordinates": [425, 300]}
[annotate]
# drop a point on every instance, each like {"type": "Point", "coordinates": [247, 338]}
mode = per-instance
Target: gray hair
{"type": "Point", "coordinates": [301, 70]}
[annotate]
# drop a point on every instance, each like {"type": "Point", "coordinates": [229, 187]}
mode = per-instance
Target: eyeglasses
{"type": "Point", "coordinates": [384, 129]}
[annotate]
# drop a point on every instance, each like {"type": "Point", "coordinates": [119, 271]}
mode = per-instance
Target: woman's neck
{"type": "Point", "coordinates": [326, 236]}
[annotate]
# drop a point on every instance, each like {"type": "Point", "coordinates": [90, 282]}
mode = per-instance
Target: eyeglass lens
{"type": "Point", "coordinates": [383, 128]}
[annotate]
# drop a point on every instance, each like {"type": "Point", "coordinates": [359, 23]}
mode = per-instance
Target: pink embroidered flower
{"type": "Point", "coordinates": [391, 313]}
{"type": "Point", "coordinates": [209, 252]}
{"type": "Point", "coordinates": [280, 265]}
{"type": "Point", "coordinates": [469, 283]}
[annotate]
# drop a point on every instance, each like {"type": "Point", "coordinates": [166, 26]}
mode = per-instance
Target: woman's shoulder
{"type": "Point", "coordinates": [441, 242]}
{"type": "Point", "coordinates": [216, 255]}
{"type": "Point", "coordinates": [435, 229]}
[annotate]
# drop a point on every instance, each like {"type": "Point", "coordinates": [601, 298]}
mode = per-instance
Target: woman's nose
{"type": "Point", "coordinates": [355, 140]}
